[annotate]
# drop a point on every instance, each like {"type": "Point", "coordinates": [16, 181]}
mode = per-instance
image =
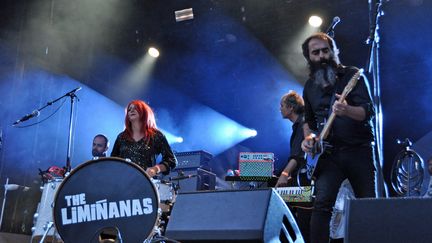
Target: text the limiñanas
{"type": "Point", "coordinates": [78, 211]}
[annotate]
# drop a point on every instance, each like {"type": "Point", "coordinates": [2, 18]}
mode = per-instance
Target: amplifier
{"type": "Point", "coordinates": [256, 164]}
{"type": "Point", "coordinates": [192, 159]}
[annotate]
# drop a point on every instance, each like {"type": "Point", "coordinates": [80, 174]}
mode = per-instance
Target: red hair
{"type": "Point", "coordinates": [147, 119]}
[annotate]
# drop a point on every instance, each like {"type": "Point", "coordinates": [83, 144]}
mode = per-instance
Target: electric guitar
{"type": "Point", "coordinates": [319, 146]}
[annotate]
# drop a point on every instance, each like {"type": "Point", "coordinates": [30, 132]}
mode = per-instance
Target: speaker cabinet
{"type": "Point", "coordinates": [232, 216]}
{"type": "Point", "coordinates": [389, 220]}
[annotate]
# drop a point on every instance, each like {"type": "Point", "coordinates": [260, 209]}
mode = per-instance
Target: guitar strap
{"type": "Point", "coordinates": [332, 100]}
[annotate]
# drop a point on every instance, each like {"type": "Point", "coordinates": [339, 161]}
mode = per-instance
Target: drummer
{"type": "Point", "coordinates": [141, 141]}
{"type": "Point", "coordinates": [100, 146]}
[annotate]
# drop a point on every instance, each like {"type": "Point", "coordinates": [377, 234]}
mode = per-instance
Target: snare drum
{"type": "Point", "coordinates": [43, 214]}
{"type": "Point", "coordinates": [106, 193]}
{"type": "Point", "coordinates": [166, 191]}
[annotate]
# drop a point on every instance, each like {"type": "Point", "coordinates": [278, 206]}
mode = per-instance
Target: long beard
{"type": "Point", "coordinates": [324, 73]}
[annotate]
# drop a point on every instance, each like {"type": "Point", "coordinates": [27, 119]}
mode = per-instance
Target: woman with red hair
{"type": "Point", "coordinates": [141, 141]}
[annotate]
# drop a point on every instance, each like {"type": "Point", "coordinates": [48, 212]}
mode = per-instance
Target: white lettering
{"type": "Point", "coordinates": [75, 200]}
{"type": "Point", "coordinates": [68, 200]}
{"type": "Point", "coordinates": [147, 206]}
{"type": "Point", "coordinates": [93, 212]}
{"type": "Point", "coordinates": [113, 210]}
{"type": "Point", "coordinates": [84, 213]}
{"type": "Point", "coordinates": [125, 208]}
{"type": "Point", "coordinates": [65, 219]}
{"type": "Point", "coordinates": [74, 216]}
{"type": "Point", "coordinates": [82, 198]}
{"type": "Point", "coordinates": [101, 211]}
{"type": "Point", "coordinates": [136, 207]}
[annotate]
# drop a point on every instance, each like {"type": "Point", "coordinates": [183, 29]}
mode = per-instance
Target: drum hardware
{"type": "Point", "coordinates": [47, 228]}
{"type": "Point", "coordinates": [108, 235]}
{"type": "Point", "coordinates": [167, 195]}
{"type": "Point", "coordinates": [43, 218]}
{"type": "Point", "coordinates": [166, 191]}
{"type": "Point", "coordinates": [9, 187]}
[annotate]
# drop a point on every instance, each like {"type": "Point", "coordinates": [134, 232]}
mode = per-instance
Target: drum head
{"type": "Point", "coordinates": [106, 193]}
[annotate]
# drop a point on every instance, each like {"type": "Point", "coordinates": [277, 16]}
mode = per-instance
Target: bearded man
{"type": "Point", "coordinates": [348, 152]}
{"type": "Point", "coordinates": [100, 146]}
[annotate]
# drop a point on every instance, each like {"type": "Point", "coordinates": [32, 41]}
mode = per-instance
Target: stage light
{"type": "Point", "coordinates": [153, 52]}
{"type": "Point", "coordinates": [315, 21]}
{"type": "Point", "coordinates": [185, 14]}
{"type": "Point", "coordinates": [229, 130]}
{"type": "Point", "coordinates": [171, 138]}
{"type": "Point", "coordinates": [252, 132]}
{"type": "Point", "coordinates": [248, 133]}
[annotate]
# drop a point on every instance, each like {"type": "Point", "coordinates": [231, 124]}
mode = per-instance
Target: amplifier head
{"type": "Point", "coordinates": [192, 159]}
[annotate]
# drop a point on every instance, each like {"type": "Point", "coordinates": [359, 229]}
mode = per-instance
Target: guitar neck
{"type": "Point", "coordinates": [346, 91]}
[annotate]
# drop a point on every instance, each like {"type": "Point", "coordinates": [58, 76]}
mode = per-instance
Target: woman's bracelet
{"type": "Point", "coordinates": [158, 170]}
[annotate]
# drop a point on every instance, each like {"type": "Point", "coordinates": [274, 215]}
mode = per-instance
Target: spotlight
{"type": "Point", "coordinates": [315, 21]}
{"type": "Point", "coordinates": [249, 133]}
{"type": "Point", "coordinates": [179, 140]}
{"type": "Point", "coordinates": [153, 52]}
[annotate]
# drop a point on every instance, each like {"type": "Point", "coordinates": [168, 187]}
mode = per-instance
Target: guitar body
{"type": "Point", "coordinates": [312, 159]}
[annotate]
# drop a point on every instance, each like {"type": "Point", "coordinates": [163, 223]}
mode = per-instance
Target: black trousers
{"type": "Point", "coordinates": [334, 166]}
{"type": "Point", "coordinates": [302, 217]}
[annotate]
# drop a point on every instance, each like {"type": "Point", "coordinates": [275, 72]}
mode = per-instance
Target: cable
{"type": "Point", "coordinates": [58, 108]}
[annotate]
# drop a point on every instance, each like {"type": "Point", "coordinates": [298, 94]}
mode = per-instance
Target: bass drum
{"type": "Point", "coordinates": [108, 193]}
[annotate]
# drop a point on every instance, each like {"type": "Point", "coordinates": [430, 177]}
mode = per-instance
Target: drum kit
{"type": "Point", "coordinates": [104, 200]}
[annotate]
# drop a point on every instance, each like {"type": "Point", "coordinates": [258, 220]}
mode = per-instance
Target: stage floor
{"type": "Point", "coordinates": [14, 238]}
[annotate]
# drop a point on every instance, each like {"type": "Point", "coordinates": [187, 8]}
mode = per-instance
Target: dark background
{"type": "Point", "coordinates": [228, 67]}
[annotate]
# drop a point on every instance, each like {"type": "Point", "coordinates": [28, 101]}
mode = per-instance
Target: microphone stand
{"type": "Point", "coordinates": [4, 202]}
{"type": "Point", "coordinates": [72, 96]}
{"type": "Point", "coordinates": [372, 67]}
{"type": "Point", "coordinates": [71, 115]}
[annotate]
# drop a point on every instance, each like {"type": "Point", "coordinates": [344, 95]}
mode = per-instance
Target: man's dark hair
{"type": "Point", "coordinates": [104, 137]}
{"type": "Point", "coordinates": [324, 37]}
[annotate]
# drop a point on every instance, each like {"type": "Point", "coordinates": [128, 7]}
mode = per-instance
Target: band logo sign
{"type": "Point", "coordinates": [77, 210]}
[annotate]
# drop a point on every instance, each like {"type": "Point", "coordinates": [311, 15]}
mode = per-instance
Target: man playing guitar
{"type": "Point", "coordinates": [348, 153]}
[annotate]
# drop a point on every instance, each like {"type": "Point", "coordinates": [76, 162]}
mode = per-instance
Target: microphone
{"type": "Point", "coordinates": [333, 24]}
{"type": "Point", "coordinates": [35, 113]}
{"type": "Point", "coordinates": [73, 91]}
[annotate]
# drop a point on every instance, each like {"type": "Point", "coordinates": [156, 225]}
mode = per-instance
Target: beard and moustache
{"type": "Point", "coordinates": [96, 153]}
{"type": "Point", "coordinates": [324, 73]}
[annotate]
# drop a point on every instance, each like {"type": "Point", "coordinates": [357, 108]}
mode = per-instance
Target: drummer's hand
{"type": "Point", "coordinates": [152, 171]}
{"type": "Point", "coordinates": [308, 143]}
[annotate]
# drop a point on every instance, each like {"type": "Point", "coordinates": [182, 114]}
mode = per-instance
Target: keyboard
{"type": "Point", "coordinates": [295, 193]}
